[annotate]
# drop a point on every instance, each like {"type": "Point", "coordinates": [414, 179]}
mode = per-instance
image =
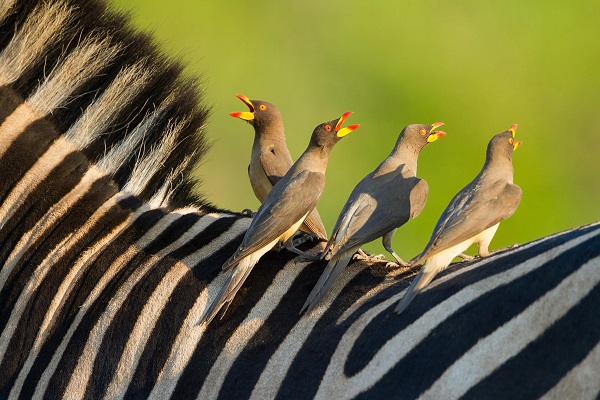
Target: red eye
{"type": "Point", "coordinates": [328, 128]}
{"type": "Point", "coordinates": [510, 140]}
{"type": "Point", "coordinates": [262, 107]}
{"type": "Point", "coordinates": [422, 132]}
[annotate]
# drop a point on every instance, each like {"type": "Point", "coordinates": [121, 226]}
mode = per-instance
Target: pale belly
{"type": "Point", "coordinates": [292, 230]}
{"type": "Point", "coordinates": [259, 181]}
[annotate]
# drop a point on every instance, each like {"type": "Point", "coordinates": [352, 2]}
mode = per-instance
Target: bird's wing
{"type": "Point", "coordinates": [275, 161]}
{"type": "Point", "coordinates": [377, 206]}
{"type": "Point", "coordinates": [315, 224]}
{"type": "Point", "coordinates": [471, 211]}
{"type": "Point", "coordinates": [285, 205]}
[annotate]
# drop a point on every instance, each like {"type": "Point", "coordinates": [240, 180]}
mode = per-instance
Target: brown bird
{"type": "Point", "coordinates": [473, 215]}
{"type": "Point", "coordinates": [381, 202]}
{"type": "Point", "coordinates": [270, 159]}
{"type": "Point", "coordinates": [283, 211]}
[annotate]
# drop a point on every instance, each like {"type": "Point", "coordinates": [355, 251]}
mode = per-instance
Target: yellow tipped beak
{"type": "Point", "coordinates": [433, 136]}
{"type": "Point", "coordinates": [245, 115]}
{"type": "Point", "coordinates": [513, 130]}
{"type": "Point", "coordinates": [516, 145]}
{"type": "Point", "coordinates": [344, 131]}
{"type": "Point", "coordinates": [341, 132]}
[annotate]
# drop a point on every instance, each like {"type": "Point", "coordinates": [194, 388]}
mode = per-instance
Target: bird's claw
{"type": "Point", "coordinates": [248, 212]}
{"type": "Point", "coordinates": [466, 257]}
{"type": "Point", "coordinates": [309, 257]}
{"type": "Point", "coordinates": [304, 238]}
{"type": "Point", "coordinates": [362, 256]}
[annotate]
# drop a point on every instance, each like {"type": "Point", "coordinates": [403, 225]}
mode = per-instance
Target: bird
{"type": "Point", "coordinates": [270, 158]}
{"type": "Point", "coordinates": [473, 214]}
{"type": "Point", "coordinates": [380, 203]}
{"type": "Point", "coordinates": [283, 211]}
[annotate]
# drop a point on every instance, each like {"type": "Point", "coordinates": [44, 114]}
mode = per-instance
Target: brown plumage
{"type": "Point", "coordinates": [473, 215]}
{"type": "Point", "coordinates": [270, 159]}
{"type": "Point", "coordinates": [380, 203]}
{"type": "Point", "coordinates": [283, 211]}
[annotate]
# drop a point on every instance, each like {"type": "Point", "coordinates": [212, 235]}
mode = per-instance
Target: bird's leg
{"type": "Point", "coordinates": [248, 212]}
{"type": "Point", "coordinates": [387, 244]}
{"type": "Point", "coordinates": [502, 249]}
{"type": "Point", "coordinates": [466, 257]}
{"type": "Point", "coordinates": [278, 247]}
{"type": "Point", "coordinates": [289, 245]}
{"type": "Point", "coordinates": [301, 238]}
{"type": "Point", "coordinates": [362, 256]}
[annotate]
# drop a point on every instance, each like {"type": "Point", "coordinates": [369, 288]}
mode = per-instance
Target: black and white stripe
{"type": "Point", "coordinates": [108, 259]}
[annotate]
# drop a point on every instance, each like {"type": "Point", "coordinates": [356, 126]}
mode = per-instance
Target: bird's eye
{"type": "Point", "coordinates": [262, 107]}
{"type": "Point", "coordinates": [510, 140]}
{"type": "Point", "coordinates": [328, 128]}
{"type": "Point", "coordinates": [423, 132]}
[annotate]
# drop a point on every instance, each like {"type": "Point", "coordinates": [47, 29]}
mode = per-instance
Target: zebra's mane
{"type": "Point", "coordinates": [110, 93]}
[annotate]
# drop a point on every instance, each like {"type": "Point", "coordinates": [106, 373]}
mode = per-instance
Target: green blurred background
{"type": "Point", "coordinates": [477, 66]}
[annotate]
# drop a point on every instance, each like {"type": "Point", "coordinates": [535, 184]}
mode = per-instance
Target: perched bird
{"type": "Point", "coordinates": [270, 158]}
{"type": "Point", "coordinates": [283, 211]}
{"type": "Point", "coordinates": [380, 203]}
{"type": "Point", "coordinates": [473, 215]}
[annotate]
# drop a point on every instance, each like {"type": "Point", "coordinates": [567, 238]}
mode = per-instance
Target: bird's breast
{"type": "Point", "coordinates": [261, 185]}
{"type": "Point", "coordinates": [292, 229]}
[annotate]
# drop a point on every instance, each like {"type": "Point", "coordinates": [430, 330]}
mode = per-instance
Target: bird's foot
{"type": "Point", "coordinates": [304, 238]}
{"type": "Point", "coordinates": [399, 261]}
{"type": "Point", "coordinates": [362, 256]}
{"type": "Point", "coordinates": [309, 257]}
{"type": "Point", "coordinates": [248, 212]}
{"type": "Point", "coordinates": [278, 247]}
{"type": "Point", "coordinates": [466, 257]}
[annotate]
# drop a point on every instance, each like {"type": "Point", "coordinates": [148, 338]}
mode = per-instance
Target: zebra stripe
{"type": "Point", "coordinates": [108, 259]}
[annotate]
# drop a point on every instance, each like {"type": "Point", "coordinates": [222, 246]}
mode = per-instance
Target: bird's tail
{"type": "Point", "coordinates": [235, 281]}
{"type": "Point", "coordinates": [422, 279]}
{"type": "Point", "coordinates": [330, 274]}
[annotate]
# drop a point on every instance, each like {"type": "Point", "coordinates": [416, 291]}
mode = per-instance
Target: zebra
{"type": "Point", "coordinates": [109, 257]}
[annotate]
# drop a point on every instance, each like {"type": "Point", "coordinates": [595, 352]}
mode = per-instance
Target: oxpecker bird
{"type": "Point", "coordinates": [270, 158]}
{"type": "Point", "coordinates": [283, 211]}
{"type": "Point", "coordinates": [473, 215]}
{"type": "Point", "coordinates": [380, 203]}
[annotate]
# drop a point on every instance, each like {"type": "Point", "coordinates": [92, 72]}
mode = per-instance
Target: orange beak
{"type": "Point", "coordinates": [341, 132]}
{"type": "Point", "coordinates": [245, 115]}
{"type": "Point", "coordinates": [435, 135]}
{"type": "Point", "coordinates": [513, 130]}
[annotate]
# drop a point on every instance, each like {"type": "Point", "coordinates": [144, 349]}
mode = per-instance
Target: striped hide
{"type": "Point", "coordinates": [108, 257]}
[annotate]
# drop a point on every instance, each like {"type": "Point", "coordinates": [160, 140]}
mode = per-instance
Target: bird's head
{"type": "Point", "coordinates": [261, 113]}
{"type": "Point", "coordinates": [503, 144]}
{"type": "Point", "coordinates": [418, 136]}
{"type": "Point", "coordinates": [327, 134]}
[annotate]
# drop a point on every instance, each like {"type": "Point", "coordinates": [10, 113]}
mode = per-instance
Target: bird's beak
{"type": "Point", "coordinates": [435, 135]}
{"type": "Point", "coordinates": [341, 132]}
{"type": "Point", "coordinates": [245, 115]}
{"type": "Point", "coordinates": [513, 130]}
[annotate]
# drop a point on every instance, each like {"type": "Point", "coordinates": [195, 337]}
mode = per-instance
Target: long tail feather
{"type": "Point", "coordinates": [419, 283]}
{"type": "Point", "coordinates": [329, 275]}
{"type": "Point", "coordinates": [229, 290]}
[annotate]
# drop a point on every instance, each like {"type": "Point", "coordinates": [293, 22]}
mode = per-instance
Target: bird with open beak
{"type": "Point", "coordinates": [473, 215]}
{"type": "Point", "coordinates": [283, 211]}
{"type": "Point", "coordinates": [380, 203]}
{"type": "Point", "coordinates": [270, 158]}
